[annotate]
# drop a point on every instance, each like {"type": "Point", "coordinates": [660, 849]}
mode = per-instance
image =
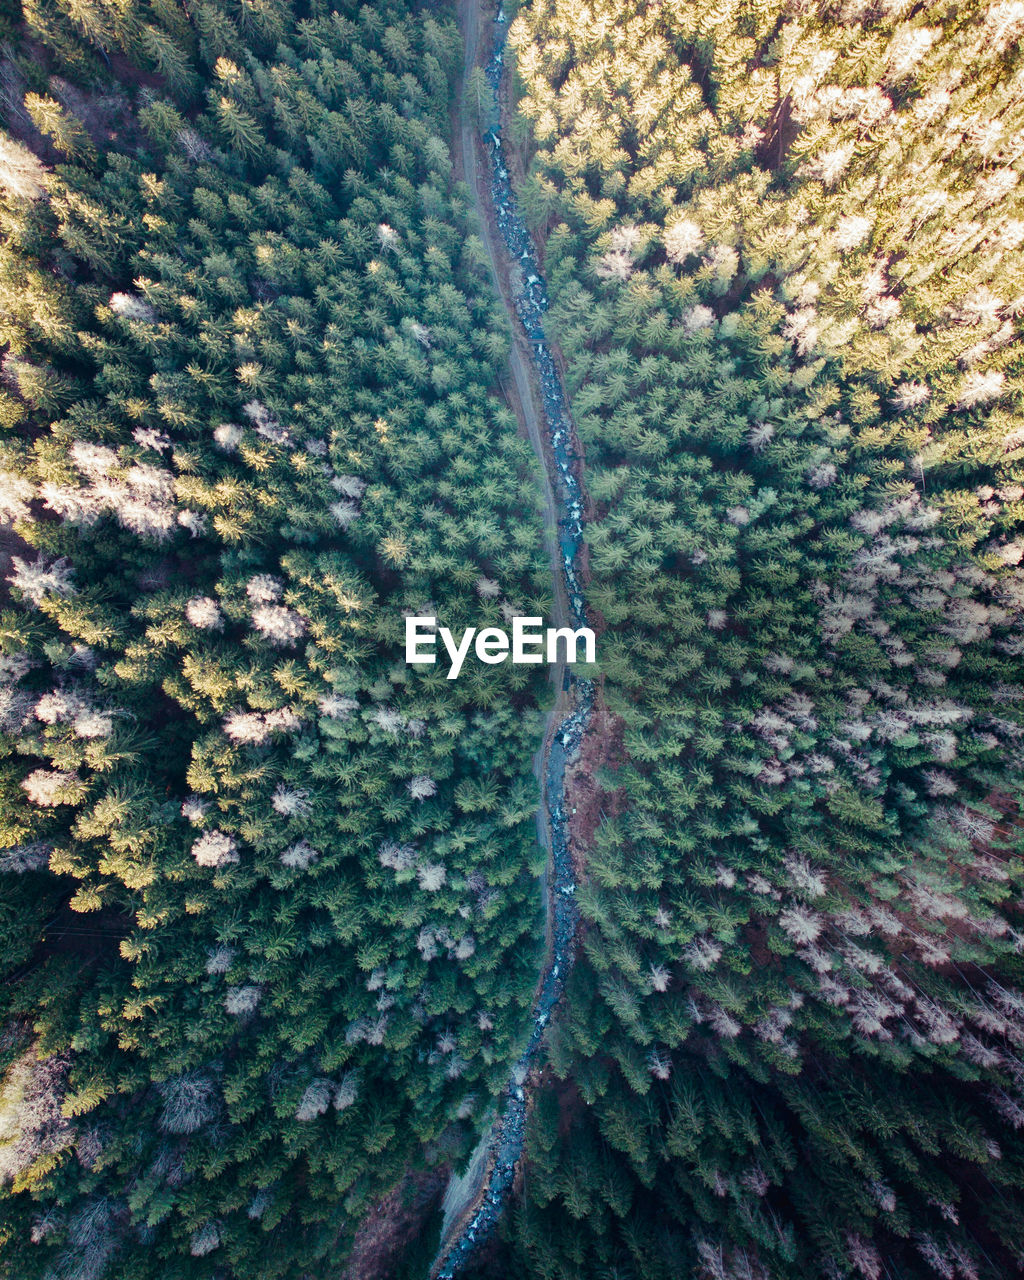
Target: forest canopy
{"type": "Point", "coordinates": [271, 920]}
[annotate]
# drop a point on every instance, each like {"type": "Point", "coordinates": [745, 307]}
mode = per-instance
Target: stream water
{"type": "Point", "coordinates": [531, 302]}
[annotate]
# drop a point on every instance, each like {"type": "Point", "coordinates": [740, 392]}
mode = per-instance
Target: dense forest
{"type": "Point", "coordinates": [784, 242]}
{"type": "Point", "coordinates": [269, 910]}
{"type": "Point", "coordinates": [270, 926]}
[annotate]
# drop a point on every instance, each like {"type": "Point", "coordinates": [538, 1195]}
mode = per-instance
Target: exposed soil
{"type": "Point", "coordinates": [394, 1224]}
{"type": "Point", "coordinates": [106, 116]}
{"type": "Point", "coordinates": [570, 1101]}
{"type": "Point", "coordinates": [587, 802]}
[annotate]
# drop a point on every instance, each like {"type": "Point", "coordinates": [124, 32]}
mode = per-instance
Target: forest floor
{"type": "Point", "coordinates": [394, 1224]}
{"type": "Point", "coordinates": [587, 802]}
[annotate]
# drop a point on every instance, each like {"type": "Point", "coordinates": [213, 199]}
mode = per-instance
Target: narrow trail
{"type": "Point", "coordinates": [474, 1202]}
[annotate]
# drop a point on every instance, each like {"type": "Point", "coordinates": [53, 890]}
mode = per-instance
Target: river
{"type": "Point", "coordinates": [502, 1145]}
